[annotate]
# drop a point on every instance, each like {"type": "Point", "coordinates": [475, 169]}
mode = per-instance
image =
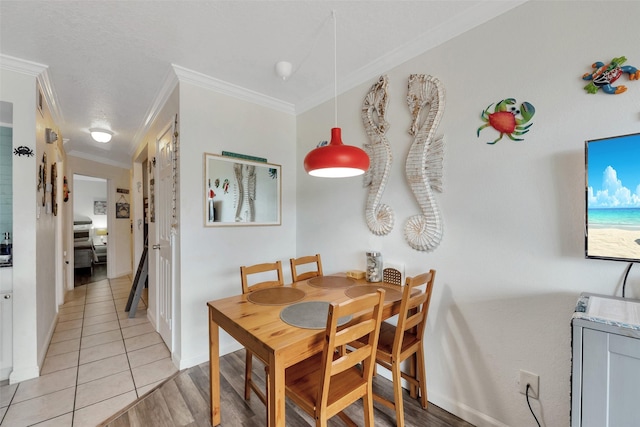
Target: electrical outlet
{"type": "Point", "coordinates": [533, 380]}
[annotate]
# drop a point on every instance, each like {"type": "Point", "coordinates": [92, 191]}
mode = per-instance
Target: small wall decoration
{"type": "Point", "coordinates": [423, 167]}
{"type": "Point", "coordinates": [44, 178]}
{"type": "Point", "coordinates": [40, 178]}
{"type": "Point", "coordinates": [507, 119]}
{"type": "Point", "coordinates": [100, 207]}
{"type": "Point", "coordinates": [379, 216]}
{"type": "Point", "coordinates": [65, 190]}
{"type": "Point", "coordinates": [122, 208]}
{"type": "Point", "coordinates": [23, 150]}
{"type": "Point", "coordinates": [40, 101]}
{"type": "Point", "coordinates": [605, 74]}
{"type": "Point", "coordinates": [152, 200]}
{"type": "Point", "coordinates": [54, 189]}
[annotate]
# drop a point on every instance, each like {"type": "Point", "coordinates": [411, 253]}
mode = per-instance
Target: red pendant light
{"type": "Point", "coordinates": [336, 160]}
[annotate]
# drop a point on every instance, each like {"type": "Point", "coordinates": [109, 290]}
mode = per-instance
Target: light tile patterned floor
{"type": "Point", "coordinates": [97, 363]}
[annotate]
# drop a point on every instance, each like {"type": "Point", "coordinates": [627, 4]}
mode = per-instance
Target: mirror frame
{"type": "Point", "coordinates": [209, 179]}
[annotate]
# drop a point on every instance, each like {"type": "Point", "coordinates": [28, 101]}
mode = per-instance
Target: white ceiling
{"type": "Point", "coordinates": [107, 60]}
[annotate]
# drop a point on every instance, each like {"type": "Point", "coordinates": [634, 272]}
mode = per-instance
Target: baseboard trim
{"type": "Point", "coordinates": [463, 411]}
{"type": "Point", "coordinates": [24, 374]}
{"type": "Point", "coordinates": [45, 346]}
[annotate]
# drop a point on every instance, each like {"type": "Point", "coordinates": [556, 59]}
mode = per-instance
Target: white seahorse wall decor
{"type": "Point", "coordinates": [379, 216]}
{"type": "Point", "coordinates": [423, 168]}
{"type": "Point", "coordinates": [246, 187]}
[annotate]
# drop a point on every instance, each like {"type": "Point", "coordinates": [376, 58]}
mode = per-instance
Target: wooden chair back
{"type": "Point", "coordinates": [347, 375]}
{"type": "Point", "coordinates": [414, 309]}
{"type": "Point", "coordinates": [305, 261]}
{"type": "Point", "coordinates": [263, 269]}
{"type": "Point", "coordinates": [258, 272]}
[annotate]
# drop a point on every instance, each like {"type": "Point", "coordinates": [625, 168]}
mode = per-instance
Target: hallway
{"type": "Point", "coordinates": [98, 362]}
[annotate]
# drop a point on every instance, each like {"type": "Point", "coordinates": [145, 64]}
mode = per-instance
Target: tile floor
{"type": "Point", "coordinates": [99, 360]}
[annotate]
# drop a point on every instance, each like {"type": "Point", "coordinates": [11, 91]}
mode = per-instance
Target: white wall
{"type": "Point", "coordinates": [511, 264]}
{"type": "Point", "coordinates": [20, 90]}
{"type": "Point", "coordinates": [210, 257]}
{"type": "Point", "coordinates": [34, 228]}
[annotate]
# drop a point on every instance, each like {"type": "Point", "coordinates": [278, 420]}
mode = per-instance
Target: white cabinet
{"type": "Point", "coordinates": [606, 363]}
{"type": "Point", "coordinates": [6, 322]}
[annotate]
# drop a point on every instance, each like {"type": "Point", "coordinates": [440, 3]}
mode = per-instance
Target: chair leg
{"type": "Point", "coordinates": [413, 390]}
{"type": "Point", "coordinates": [397, 393]}
{"type": "Point", "coordinates": [422, 377]}
{"type": "Point", "coordinates": [367, 401]}
{"type": "Point", "coordinates": [247, 375]}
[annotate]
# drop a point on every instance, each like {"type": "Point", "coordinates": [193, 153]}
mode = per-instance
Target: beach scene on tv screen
{"type": "Point", "coordinates": [613, 197]}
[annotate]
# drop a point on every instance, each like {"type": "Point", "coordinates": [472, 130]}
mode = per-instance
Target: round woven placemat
{"type": "Point", "coordinates": [276, 296]}
{"type": "Point", "coordinates": [331, 282]}
{"type": "Point", "coordinates": [390, 294]}
{"type": "Point", "coordinates": [309, 315]}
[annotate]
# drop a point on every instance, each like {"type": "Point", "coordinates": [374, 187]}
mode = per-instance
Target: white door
{"type": "Point", "coordinates": [164, 248]}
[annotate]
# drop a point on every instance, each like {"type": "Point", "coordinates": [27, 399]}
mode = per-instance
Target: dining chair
{"type": "Point", "coordinates": [258, 272]}
{"type": "Point", "coordinates": [404, 340]}
{"type": "Point", "coordinates": [325, 384]}
{"type": "Point", "coordinates": [305, 261]}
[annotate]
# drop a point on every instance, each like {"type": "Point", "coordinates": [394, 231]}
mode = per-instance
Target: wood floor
{"type": "Point", "coordinates": [184, 401]}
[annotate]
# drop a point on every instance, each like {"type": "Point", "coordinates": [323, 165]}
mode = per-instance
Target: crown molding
{"type": "Point", "coordinates": [206, 82]}
{"type": "Point", "coordinates": [98, 159]}
{"type": "Point", "coordinates": [41, 73]}
{"type": "Point", "coordinates": [50, 96]}
{"type": "Point", "coordinates": [483, 12]}
{"type": "Point", "coordinates": [22, 66]}
{"type": "Point", "coordinates": [168, 85]}
{"type": "Point", "coordinates": [178, 74]}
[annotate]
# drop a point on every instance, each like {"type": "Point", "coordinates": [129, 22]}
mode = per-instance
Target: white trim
{"type": "Point", "coordinates": [24, 374]}
{"type": "Point", "coordinates": [43, 350]}
{"type": "Point", "coordinates": [463, 411]}
{"type": "Point", "coordinates": [22, 66]}
{"type": "Point", "coordinates": [169, 84]}
{"type": "Point", "coordinates": [198, 79]}
{"type": "Point", "coordinates": [99, 159]}
{"type": "Point", "coordinates": [484, 11]}
{"type": "Point", "coordinates": [50, 96]}
{"type": "Point", "coordinates": [41, 73]}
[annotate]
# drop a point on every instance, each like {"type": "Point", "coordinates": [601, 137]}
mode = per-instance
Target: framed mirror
{"type": "Point", "coordinates": [241, 191]}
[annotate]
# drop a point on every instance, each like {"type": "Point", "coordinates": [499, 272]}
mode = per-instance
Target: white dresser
{"type": "Point", "coordinates": [605, 389]}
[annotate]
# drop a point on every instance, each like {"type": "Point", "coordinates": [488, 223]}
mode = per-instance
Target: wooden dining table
{"type": "Point", "coordinates": [260, 329]}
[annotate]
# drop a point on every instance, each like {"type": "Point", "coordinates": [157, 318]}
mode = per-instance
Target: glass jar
{"type": "Point", "coordinates": [374, 267]}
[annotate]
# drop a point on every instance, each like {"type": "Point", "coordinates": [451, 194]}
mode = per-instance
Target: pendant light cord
{"type": "Point", "coordinates": [335, 69]}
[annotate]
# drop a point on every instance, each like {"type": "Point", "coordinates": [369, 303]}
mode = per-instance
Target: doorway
{"type": "Point", "coordinates": [90, 229]}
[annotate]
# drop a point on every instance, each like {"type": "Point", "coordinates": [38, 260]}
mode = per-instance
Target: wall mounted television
{"type": "Point", "coordinates": [612, 217]}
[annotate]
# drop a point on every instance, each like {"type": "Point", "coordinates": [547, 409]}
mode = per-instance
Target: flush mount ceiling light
{"type": "Point", "coordinates": [101, 135]}
{"type": "Point", "coordinates": [336, 160]}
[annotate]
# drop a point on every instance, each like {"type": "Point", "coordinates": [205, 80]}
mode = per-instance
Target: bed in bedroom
{"type": "Point", "coordinates": [84, 254]}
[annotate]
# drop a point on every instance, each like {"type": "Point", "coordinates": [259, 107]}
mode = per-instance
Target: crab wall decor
{"type": "Point", "coordinates": [23, 151]}
{"type": "Point", "coordinates": [507, 119]}
{"type": "Point", "coordinates": [605, 74]}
